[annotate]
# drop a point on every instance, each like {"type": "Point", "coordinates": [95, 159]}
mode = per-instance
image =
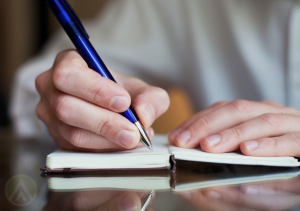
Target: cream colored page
{"type": "Point", "coordinates": [157, 150]}
{"type": "Point", "coordinates": [231, 158]}
{"type": "Point", "coordinates": [234, 181]}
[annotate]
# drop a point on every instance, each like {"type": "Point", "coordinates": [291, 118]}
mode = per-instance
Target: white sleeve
{"type": "Point", "coordinates": [120, 36]}
{"type": "Point", "coordinates": [24, 96]}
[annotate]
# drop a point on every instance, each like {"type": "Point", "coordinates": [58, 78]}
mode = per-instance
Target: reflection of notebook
{"type": "Point", "coordinates": [206, 175]}
{"type": "Point", "coordinates": [143, 159]}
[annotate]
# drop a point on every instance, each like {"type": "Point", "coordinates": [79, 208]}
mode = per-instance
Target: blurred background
{"type": "Point", "coordinates": [25, 27]}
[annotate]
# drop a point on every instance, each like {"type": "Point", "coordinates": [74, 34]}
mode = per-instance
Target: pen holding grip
{"type": "Point", "coordinates": [88, 53]}
{"type": "Point", "coordinates": [76, 32]}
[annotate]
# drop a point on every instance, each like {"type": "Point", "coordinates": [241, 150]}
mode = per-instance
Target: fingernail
{"type": "Point", "coordinates": [213, 140]}
{"type": "Point", "coordinates": [127, 138]}
{"type": "Point", "coordinates": [214, 195]}
{"type": "Point", "coordinates": [150, 113]}
{"type": "Point", "coordinates": [251, 145]}
{"type": "Point", "coordinates": [119, 103]}
{"type": "Point", "coordinates": [186, 194]}
{"type": "Point", "coordinates": [251, 191]}
{"type": "Point", "coordinates": [183, 137]}
{"type": "Point", "coordinates": [128, 204]}
{"type": "Point", "coordinates": [174, 133]}
{"type": "Point", "coordinates": [150, 133]}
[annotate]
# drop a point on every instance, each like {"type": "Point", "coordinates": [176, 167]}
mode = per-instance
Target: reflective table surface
{"type": "Point", "coordinates": [194, 186]}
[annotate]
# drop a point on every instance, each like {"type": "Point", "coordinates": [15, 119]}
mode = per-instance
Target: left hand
{"type": "Point", "coordinates": [267, 195]}
{"type": "Point", "coordinates": [256, 128]}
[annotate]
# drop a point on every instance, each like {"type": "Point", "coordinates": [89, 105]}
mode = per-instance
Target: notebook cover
{"type": "Point", "coordinates": [67, 170]}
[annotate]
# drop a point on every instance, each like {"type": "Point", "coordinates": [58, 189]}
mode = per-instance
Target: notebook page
{"type": "Point", "coordinates": [158, 149]}
{"type": "Point", "coordinates": [141, 158]}
{"type": "Point", "coordinates": [235, 181]}
{"type": "Point", "coordinates": [230, 158]}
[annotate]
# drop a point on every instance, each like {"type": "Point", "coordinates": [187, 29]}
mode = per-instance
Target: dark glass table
{"type": "Point", "coordinates": [194, 186]}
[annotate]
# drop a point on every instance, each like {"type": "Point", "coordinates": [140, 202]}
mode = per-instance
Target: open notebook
{"type": "Point", "coordinates": [211, 175]}
{"type": "Point", "coordinates": [162, 157]}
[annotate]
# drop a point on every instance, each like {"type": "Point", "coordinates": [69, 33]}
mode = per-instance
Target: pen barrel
{"type": "Point", "coordinates": [74, 29]}
{"type": "Point", "coordinates": [89, 54]}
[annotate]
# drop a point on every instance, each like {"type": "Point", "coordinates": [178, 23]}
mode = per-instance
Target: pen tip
{"type": "Point", "coordinates": [151, 149]}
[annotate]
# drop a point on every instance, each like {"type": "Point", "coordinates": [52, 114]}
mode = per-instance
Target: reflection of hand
{"type": "Point", "coordinates": [103, 200]}
{"type": "Point", "coordinates": [80, 107]}
{"type": "Point", "coordinates": [277, 195]}
{"type": "Point", "coordinates": [257, 128]}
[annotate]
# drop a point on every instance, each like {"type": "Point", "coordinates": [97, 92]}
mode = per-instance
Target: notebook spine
{"type": "Point", "coordinates": [172, 163]}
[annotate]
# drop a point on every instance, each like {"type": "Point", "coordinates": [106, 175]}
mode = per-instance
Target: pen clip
{"type": "Point", "coordinates": [75, 17]}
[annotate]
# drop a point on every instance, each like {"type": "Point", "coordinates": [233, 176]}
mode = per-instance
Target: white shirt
{"type": "Point", "coordinates": [214, 49]}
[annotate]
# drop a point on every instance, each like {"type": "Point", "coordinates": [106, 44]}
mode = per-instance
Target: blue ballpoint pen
{"type": "Point", "coordinates": [75, 30]}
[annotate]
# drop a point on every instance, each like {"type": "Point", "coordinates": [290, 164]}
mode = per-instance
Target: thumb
{"type": "Point", "coordinates": [128, 201]}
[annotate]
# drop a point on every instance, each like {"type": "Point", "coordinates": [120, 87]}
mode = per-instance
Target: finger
{"type": "Point", "coordinates": [265, 125]}
{"type": "Point", "coordinates": [286, 145]}
{"type": "Point", "coordinates": [273, 187]}
{"type": "Point", "coordinates": [211, 201]}
{"type": "Point", "coordinates": [272, 103]}
{"type": "Point", "coordinates": [77, 138]}
{"type": "Point", "coordinates": [127, 201]}
{"type": "Point", "coordinates": [89, 200]}
{"type": "Point", "coordinates": [255, 201]}
{"type": "Point", "coordinates": [94, 144]}
{"type": "Point", "coordinates": [174, 134]}
{"type": "Point", "coordinates": [230, 115]}
{"type": "Point", "coordinates": [149, 102]}
{"type": "Point", "coordinates": [227, 116]}
{"type": "Point", "coordinates": [82, 114]}
{"type": "Point", "coordinates": [72, 75]}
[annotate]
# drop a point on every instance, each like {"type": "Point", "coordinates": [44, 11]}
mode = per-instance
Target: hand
{"type": "Point", "coordinates": [256, 128]}
{"type": "Point", "coordinates": [100, 200]}
{"type": "Point", "coordinates": [80, 107]}
{"type": "Point", "coordinates": [273, 195]}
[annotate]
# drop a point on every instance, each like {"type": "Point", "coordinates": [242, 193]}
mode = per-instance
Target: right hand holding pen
{"type": "Point", "coordinates": [81, 108]}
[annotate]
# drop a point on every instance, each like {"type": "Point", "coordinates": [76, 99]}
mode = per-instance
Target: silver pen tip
{"type": "Point", "coordinates": [151, 149]}
{"type": "Point", "coordinates": [145, 139]}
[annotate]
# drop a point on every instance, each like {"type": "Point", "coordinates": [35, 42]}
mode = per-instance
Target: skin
{"type": "Point", "coordinates": [255, 128]}
{"type": "Point", "coordinates": [100, 200]}
{"type": "Point", "coordinates": [273, 195]}
{"type": "Point", "coordinates": [81, 108]}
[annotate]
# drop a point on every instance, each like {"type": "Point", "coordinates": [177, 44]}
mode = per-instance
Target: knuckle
{"type": "Point", "coordinates": [98, 89]}
{"type": "Point", "coordinates": [274, 143]}
{"type": "Point", "coordinates": [39, 111]}
{"type": "Point", "coordinates": [271, 119]}
{"type": "Point", "coordinates": [295, 138]}
{"type": "Point", "coordinates": [38, 83]}
{"type": "Point", "coordinates": [103, 127]}
{"type": "Point", "coordinates": [60, 74]}
{"type": "Point", "coordinates": [76, 138]}
{"type": "Point", "coordinates": [220, 103]}
{"type": "Point", "coordinates": [204, 124]}
{"type": "Point", "coordinates": [61, 108]}
{"type": "Point", "coordinates": [242, 105]}
{"type": "Point", "coordinates": [164, 98]}
{"type": "Point", "coordinates": [236, 133]}
{"type": "Point", "coordinates": [61, 55]}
